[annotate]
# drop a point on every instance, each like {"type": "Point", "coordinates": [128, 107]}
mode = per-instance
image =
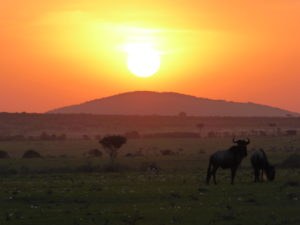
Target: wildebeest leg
{"type": "Point", "coordinates": [214, 173]}
{"type": "Point", "coordinates": [208, 172]}
{"type": "Point", "coordinates": [262, 176]}
{"type": "Point", "coordinates": [233, 170]}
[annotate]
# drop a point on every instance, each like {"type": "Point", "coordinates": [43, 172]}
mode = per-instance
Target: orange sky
{"type": "Point", "coordinates": [61, 52]}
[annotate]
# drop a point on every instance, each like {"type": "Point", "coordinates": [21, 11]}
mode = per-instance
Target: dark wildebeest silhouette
{"type": "Point", "coordinates": [227, 159]}
{"type": "Point", "coordinates": [260, 164]}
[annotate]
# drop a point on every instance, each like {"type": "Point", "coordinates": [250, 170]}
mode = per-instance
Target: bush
{"type": "Point", "coordinates": [4, 155]}
{"type": "Point", "coordinates": [94, 153]}
{"type": "Point", "coordinates": [132, 135]}
{"type": "Point", "coordinates": [293, 161]}
{"type": "Point", "coordinates": [291, 132]}
{"type": "Point", "coordinates": [31, 154]}
{"type": "Point", "coordinates": [115, 168]}
{"type": "Point", "coordinates": [150, 167]}
{"type": "Point", "coordinates": [201, 151]}
{"type": "Point", "coordinates": [129, 155]}
{"type": "Point", "coordinates": [167, 152]}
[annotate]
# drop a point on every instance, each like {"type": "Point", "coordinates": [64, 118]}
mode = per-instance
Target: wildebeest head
{"type": "Point", "coordinates": [270, 172]}
{"type": "Point", "coordinates": [242, 145]}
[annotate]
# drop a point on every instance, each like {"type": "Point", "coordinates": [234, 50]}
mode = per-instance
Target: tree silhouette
{"type": "Point", "coordinates": [182, 114]}
{"type": "Point", "coordinates": [200, 127]}
{"type": "Point", "coordinates": [273, 125]}
{"type": "Point", "coordinates": [112, 144]}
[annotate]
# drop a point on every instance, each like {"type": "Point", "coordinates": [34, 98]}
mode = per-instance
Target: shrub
{"type": "Point", "coordinates": [167, 152]}
{"type": "Point", "coordinates": [132, 135]}
{"type": "Point", "coordinates": [4, 155]}
{"type": "Point", "coordinates": [150, 167]}
{"type": "Point", "coordinates": [94, 153]}
{"type": "Point", "coordinates": [31, 154]}
{"type": "Point", "coordinates": [291, 132]}
{"type": "Point", "coordinates": [293, 161]}
{"type": "Point", "coordinates": [201, 151]}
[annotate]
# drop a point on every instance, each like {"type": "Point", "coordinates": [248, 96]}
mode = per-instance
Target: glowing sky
{"type": "Point", "coordinates": [61, 52]}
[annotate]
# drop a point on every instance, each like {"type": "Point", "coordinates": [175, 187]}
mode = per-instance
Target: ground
{"type": "Point", "coordinates": [64, 188]}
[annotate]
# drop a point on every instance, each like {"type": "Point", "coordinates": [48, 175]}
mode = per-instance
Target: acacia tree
{"type": "Point", "coordinates": [112, 144]}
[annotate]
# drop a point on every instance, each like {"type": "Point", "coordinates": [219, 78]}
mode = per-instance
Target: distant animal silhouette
{"type": "Point", "coordinates": [227, 159]}
{"type": "Point", "coordinates": [260, 164]}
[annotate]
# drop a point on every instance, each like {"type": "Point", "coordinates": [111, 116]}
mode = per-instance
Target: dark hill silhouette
{"type": "Point", "coordinates": [169, 103]}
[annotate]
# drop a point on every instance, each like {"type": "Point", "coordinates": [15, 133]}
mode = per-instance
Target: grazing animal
{"type": "Point", "coordinates": [260, 164]}
{"type": "Point", "coordinates": [227, 159]}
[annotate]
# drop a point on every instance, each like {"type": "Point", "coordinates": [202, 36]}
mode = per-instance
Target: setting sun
{"type": "Point", "coordinates": [143, 60]}
{"type": "Point", "coordinates": [82, 49]}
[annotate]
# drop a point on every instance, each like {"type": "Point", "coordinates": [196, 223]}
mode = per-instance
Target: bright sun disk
{"type": "Point", "coordinates": [143, 60]}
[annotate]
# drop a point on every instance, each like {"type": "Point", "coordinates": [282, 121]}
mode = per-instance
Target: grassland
{"type": "Point", "coordinates": [66, 188]}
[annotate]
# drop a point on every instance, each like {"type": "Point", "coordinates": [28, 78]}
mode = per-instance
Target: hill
{"type": "Point", "coordinates": [170, 103]}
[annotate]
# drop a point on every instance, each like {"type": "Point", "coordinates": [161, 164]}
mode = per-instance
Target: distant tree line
{"type": "Point", "coordinates": [273, 131]}
{"type": "Point", "coordinates": [252, 133]}
{"type": "Point", "coordinates": [173, 135]}
{"type": "Point", "coordinates": [44, 136]}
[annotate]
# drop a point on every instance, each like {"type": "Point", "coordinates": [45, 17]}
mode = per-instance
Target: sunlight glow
{"type": "Point", "coordinates": [143, 60]}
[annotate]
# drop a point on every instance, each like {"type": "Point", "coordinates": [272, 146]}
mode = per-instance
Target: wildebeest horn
{"type": "Point", "coordinates": [233, 140]}
{"type": "Point", "coordinates": [248, 141]}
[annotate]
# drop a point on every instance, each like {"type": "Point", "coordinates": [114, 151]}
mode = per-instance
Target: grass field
{"type": "Point", "coordinates": [66, 188]}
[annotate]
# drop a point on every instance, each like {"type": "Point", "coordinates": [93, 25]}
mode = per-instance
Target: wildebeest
{"type": "Point", "coordinates": [260, 164]}
{"type": "Point", "coordinates": [227, 159]}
